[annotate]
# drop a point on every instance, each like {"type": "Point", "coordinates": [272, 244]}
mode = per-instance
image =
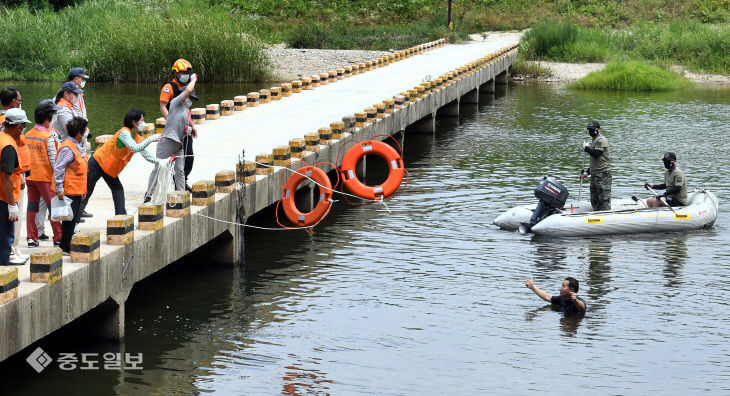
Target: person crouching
{"type": "Point", "coordinates": [69, 176]}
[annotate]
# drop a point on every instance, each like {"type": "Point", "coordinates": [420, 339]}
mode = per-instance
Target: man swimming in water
{"type": "Point", "coordinates": [568, 300]}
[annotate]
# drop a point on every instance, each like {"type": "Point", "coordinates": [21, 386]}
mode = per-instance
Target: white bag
{"type": "Point", "coordinates": [61, 210]}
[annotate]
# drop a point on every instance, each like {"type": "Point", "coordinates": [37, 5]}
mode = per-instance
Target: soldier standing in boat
{"type": "Point", "coordinates": [600, 168]}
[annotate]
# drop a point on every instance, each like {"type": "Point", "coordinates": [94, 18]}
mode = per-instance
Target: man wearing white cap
{"type": "Point", "coordinates": [10, 180]}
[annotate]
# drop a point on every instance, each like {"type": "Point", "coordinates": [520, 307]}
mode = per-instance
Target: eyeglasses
{"type": "Point", "coordinates": [18, 100]}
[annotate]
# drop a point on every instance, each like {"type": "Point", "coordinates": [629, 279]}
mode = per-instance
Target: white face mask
{"type": "Point", "coordinates": [76, 99]}
{"type": "Point", "coordinates": [184, 78]}
{"type": "Point", "coordinates": [83, 83]}
{"type": "Point", "coordinates": [141, 126]}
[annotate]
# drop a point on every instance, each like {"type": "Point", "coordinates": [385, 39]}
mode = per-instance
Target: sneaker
{"type": "Point", "coordinates": [57, 243]}
{"type": "Point", "coordinates": [23, 257]}
{"type": "Point", "coordinates": [65, 253]}
{"type": "Point", "coordinates": [82, 219]}
{"type": "Point", "coordinates": [86, 214]}
{"type": "Point", "coordinates": [15, 260]}
{"type": "Point", "coordinates": [32, 243]}
{"type": "Point", "coordinates": [188, 188]}
{"type": "Point", "coordinates": [147, 199]}
{"type": "Point", "coordinates": [43, 236]}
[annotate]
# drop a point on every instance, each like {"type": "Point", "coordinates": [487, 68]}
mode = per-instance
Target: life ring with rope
{"type": "Point", "coordinates": [383, 150]}
{"type": "Point", "coordinates": [325, 196]}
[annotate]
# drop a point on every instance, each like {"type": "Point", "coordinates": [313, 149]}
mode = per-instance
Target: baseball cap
{"type": "Point", "coordinates": [594, 125]}
{"type": "Point", "coordinates": [70, 86]}
{"type": "Point", "coordinates": [48, 103]}
{"type": "Point", "coordinates": [76, 72]}
{"type": "Point", "coordinates": [16, 116]}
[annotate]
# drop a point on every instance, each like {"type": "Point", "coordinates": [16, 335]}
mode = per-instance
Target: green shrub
{"type": "Point", "coordinates": [631, 76]}
{"type": "Point", "coordinates": [547, 35]}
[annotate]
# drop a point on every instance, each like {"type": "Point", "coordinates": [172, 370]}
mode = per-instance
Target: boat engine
{"type": "Point", "coordinates": [551, 195]}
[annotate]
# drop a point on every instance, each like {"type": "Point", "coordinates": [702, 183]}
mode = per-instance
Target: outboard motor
{"type": "Point", "coordinates": [552, 196]}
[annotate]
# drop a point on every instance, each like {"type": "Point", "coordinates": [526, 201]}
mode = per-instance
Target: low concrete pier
{"type": "Point", "coordinates": [121, 250]}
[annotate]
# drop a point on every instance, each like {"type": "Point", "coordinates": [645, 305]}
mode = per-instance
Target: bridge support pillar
{"type": "Point", "coordinates": [110, 323]}
{"type": "Point", "coordinates": [426, 124]}
{"type": "Point", "coordinates": [450, 109]}
{"type": "Point", "coordinates": [487, 87]}
{"type": "Point", "coordinates": [471, 97]}
{"type": "Point", "coordinates": [503, 78]}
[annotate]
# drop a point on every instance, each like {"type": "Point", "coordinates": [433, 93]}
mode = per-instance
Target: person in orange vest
{"type": "Point", "coordinates": [42, 145]}
{"type": "Point", "coordinates": [14, 124]}
{"type": "Point", "coordinates": [183, 70]}
{"type": "Point", "coordinates": [69, 176]}
{"type": "Point", "coordinates": [9, 99]}
{"type": "Point", "coordinates": [78, 76]}
{"type": "Point", "coordinates": [109, 161]}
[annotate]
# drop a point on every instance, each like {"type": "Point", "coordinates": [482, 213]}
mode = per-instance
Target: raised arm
{"type": "Point", "coordinates": [530, 284]}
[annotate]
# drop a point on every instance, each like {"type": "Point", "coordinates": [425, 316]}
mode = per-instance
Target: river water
{"type": "Point", "coordinates": [429, 298]}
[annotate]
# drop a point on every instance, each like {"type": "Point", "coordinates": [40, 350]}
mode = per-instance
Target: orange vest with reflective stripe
{"type": "Point", "coordinates": [23, 155]}
{"type": "Point", "coordinates": [37, 143]}
{"type": "Point", "coordinates": [7, 140]}
{"type": "Point", "coordinates": [75, 181]}
{"type": "Point", "coordinates": [113, 159]}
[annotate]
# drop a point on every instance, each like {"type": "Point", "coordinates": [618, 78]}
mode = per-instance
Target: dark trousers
{"type": "Point", "coordinates": [187, 144]}
{"type": "Point", "coordinates": [95, 172]}
{"type": "Point", "coordinates": [67, 227]}
{"type": "Point", "coordinates": [7, 234]}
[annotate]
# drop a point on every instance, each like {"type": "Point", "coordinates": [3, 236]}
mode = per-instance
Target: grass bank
{"type": "Point", "coordinates": [128, 41]}
{"type": "Point", "coordinates": [632, 76]}
{"type": "Point", "coordinates": [697, 46]}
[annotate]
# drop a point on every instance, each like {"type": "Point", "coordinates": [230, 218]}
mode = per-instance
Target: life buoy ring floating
{"type": "Point", "coordinates": [325, 195]}
{"type": "Point", "coordinates": [383, 150]}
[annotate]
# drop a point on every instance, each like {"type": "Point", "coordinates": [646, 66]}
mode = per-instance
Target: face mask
{"type": "Point", "coordinates": [668, 164]}
{"type": "Point", "coordinates": [188, 102]}
{"type": "Point", "coordinates": [76, 99]}
{"type": "Point", "coordinates": [592, 132]}
{"type": "Point", "coordinates": [141, 126]}
{"type": "Point", "coordinates": [184, 78]}
{"type": "Point", "coordinates": [83, 83]}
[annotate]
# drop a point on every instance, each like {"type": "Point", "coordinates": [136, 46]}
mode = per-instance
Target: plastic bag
{"type": "Point", "coordinates": [61, 210]}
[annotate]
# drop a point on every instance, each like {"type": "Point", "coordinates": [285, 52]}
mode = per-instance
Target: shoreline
{"type": "Point", "coordinates": [563, 72]}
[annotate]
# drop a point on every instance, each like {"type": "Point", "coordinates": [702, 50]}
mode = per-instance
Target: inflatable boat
{"type": "Point", "coordinates": [554, 217]}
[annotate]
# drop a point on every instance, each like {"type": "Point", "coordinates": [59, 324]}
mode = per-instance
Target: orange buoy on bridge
{"type": "Point", "coordinates": [325, 194]}
{"type": "Point", "coordinates": [383, 150]}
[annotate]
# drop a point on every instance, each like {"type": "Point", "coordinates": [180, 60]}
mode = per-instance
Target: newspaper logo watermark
{"type": "Point", "coordinates": [39, 360]}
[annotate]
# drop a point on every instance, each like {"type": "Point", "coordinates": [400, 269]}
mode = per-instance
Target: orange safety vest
{"type": "Point", "coordinates": [111, 158]}
{"type": "Point", "coordinates": [65, 103]}
{"type": "Point", "coordinates": [7, 140]}
{"type": "Point", "coordinates": [75, 181]}
{"type": "Point", "coordinates": [23, 155]}
{"type": "Point", "coordinates": [37, 144]}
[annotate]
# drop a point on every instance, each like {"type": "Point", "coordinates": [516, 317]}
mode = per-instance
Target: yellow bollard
{"type": "Point", "coordinates": [150, 217]}
{"type": "Point", "coordinates": [296, 86]}
{"type": "Point", "coordinates": [337, 129]}
{"type": "Point", "coordinates": [225, 181]}
{"type": "Point", "coordinates": [212, 112]}
{"type": "Point", "coordinates": [246, 173]}
{"type": "Point", "coordinates": [159, 125]}
{"type": "Point", "coordinates": [8, 284]}
{"type": "Point", "coordinates": [178, 204]}
{"type": "Point", "coordinates": [120, 230]}
{"type": "Point", "coordinates": [239, 103]}
{"type": "Point", "coordinates": [226, 107]}
{"type": "Point", "coordinates": [325, 136]}
{"type": "Point", "coordinates": [85, 247]}
{"type": "Point", "coordinates": [252, 99]}
{"type": "Point", "coordinates": [389, 106]}
{"type": "Point", "coordinates": [275, 93]}
{"type": "Point", "coordinates": [203, 192]}
{"type": "Point", "coordinates": [264, 96]}
{"type": "Point", "coordinates": [379, 110]}
{"type": "Point", "coordinates": [286, 89]}
{"type": "Point", "coordinates": [296, 147]}
{"type": "Point", "coordinates": [315, 80]}
{"type": "Point", "coordinates": [264, 163]}
{"type": "Point", "coordinates": [282, 155]}
{"type": "Point", "coordinates": [46, 266]}
{"type": "Point", "coordinates": [198, 115]}
{"type": "Point", "coordinates": [312, 141]}
{"type": "Point", "coordinates": [360, 119]}
{"type": "Point", "coordinates": [370, 113]}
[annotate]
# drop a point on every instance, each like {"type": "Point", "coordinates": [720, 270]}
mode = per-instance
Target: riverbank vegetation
{"type": "Point", "coordinates": [127, 41]}
{"type": "Point", "coordinates": [632, 76]}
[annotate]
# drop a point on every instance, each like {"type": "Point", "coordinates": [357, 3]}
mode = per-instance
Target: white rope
{"type": "Point", "coordinates": [257, 227]}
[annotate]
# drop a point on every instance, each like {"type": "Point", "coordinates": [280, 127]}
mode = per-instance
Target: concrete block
{"type": "Point", "coordinates": [150, 217]}
{"type": "Point", "coordinates": [360, 119]}
{"type": "Point", "coordinates": [239, 103]}
{"type": "Point", "coordinates": [198, 115]}
{"type": "Point", "coordinates": [325, 136]}
{"type": "Point", "coordinates": [349, 121]}
{"type": "Point", "coordinates": [296, 86]}
{"type": "Point", "coordinates": [379, 110]}
{"type": "Point", "coordinates": [225, 181]}
{"type": "Point", "coordinates": [120, 230]}
{"type": "Point", "coordinates": [389, 106]}
{"type": "Point", "coordinates": [8, 284]}
{"type": "Point", "coordinates": [262, 160]}
{"type": "Point", "coordinates": [159, 125]}
{"type": "Point", "coordinates": [264, 96]}
{"type": "Point", "coordinates": [315, 80]}
{"type": "Point", "coordinates": [46, 266]}
{"type": "Point", "coordinates": [275, 93]}
{"type": "Point", "coordinates": [246, 173]}
{"type": "Point", "coordinates": [337, 128]}
{"type": "Point", "coordinates": [227, 107]}
{"type": "Point", "coordinates": [178, 204]}
{"type": "Point", "coordinates": [370, 114]}
{"type": "Point", "coordinates": [252, 99]}
{"type": "Point", "coordinates": [412, 95]}
{"type": "Point", "coordinates": [282, 155]}
{"type": "Point", "coordinates": [323, 78]}
{"type": "Point", "coordinates": [355, 69]}
{"type": "Point", "coordinates": [312, 141]}
{"type": "Point", "coordinates": [347, 71]}
{"type": "Point", "coordinates": [285, 89]}
{"type": "Point", "coordinates": [297, 147]}
{"type": "Point", "coordinates": [212, 112]}
{"type": "Point", "coordinates": [203, 192]}
{"type": "Point", "coordinates": [85, 247]}
{"type": "Point", "coordinates": [332, 76]}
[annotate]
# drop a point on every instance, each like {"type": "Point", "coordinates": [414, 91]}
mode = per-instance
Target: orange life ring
{"type": "Point", "coordinates": [325, 193]}
{"type": "Point", "coordinates": [383, 150]}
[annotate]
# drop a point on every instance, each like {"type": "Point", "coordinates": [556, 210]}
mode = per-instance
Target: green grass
{"type": "Point", "coordinates": [631, 76]}
{"type": "Point", "coordinates": [128, 41]}
{"type": "Point", "coordinates": [529, 69]}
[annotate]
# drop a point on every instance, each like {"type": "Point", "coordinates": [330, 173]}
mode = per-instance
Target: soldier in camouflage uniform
{"type": "Point", "coordinates": [600, 168]}
{"type": "Point", "coordinates": [675, 184]}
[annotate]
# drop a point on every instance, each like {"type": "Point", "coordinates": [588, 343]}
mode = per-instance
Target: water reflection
{"type": "Point", "coordinates": [675, 258]}
{"type": "Point", "coordinates": [549, 255]}
{"type": "Point", "coordinates": [599, 271]}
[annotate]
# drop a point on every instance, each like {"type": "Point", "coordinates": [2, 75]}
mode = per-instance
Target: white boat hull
{"type": "Point", "coordinates": [699, 213]}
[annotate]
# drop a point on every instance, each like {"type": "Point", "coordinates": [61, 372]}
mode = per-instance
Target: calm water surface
{"type": "Point", "coordinates": [430, 298]}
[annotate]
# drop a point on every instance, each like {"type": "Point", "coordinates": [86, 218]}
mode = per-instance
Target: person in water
{"type": "Point", "coordinates": [568, 300]}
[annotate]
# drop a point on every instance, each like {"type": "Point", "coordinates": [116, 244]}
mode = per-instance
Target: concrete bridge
{"type": "Point", "coordinates": [112, 253]}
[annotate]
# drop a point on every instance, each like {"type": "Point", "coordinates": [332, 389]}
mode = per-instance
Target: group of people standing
{"type": "Point", "coordinates": [53, 158]}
